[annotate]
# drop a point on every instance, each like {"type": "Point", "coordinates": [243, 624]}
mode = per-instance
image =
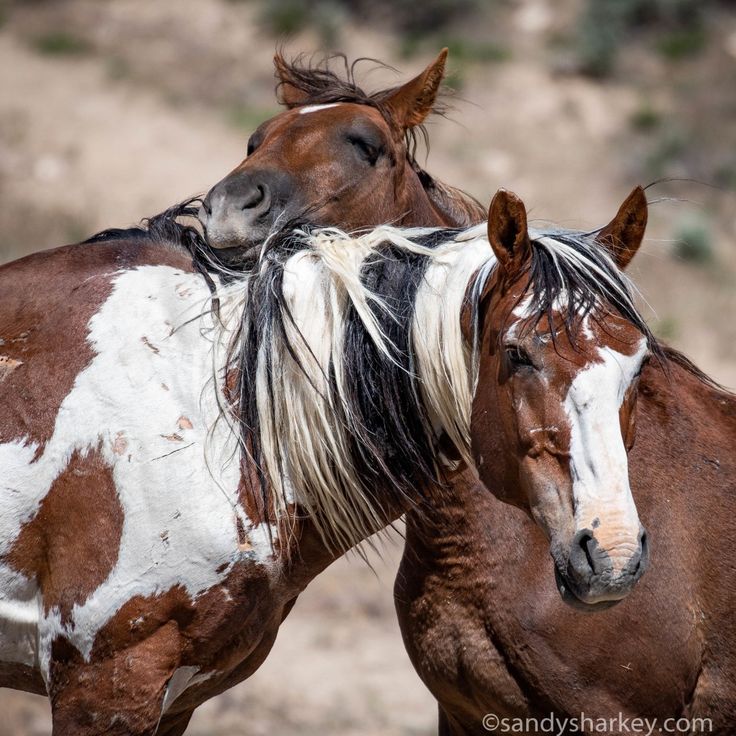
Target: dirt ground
{"type": "Point", "coordinates": [112, 111]}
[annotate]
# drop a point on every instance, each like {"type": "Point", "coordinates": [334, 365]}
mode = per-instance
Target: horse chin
{"type": "Point", "coordinates": [572, 600]}
{"type": "Point", "coordinates": [238, 257]}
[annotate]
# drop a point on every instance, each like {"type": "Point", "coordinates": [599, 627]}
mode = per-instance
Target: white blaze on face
{"type": "Point", "coordinates": [598, 459]}
{"type": "Point", "coordinates": [316, 108]}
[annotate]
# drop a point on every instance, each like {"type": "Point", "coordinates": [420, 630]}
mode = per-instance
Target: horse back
{"type": "Point", "coordinates": [46, 302]}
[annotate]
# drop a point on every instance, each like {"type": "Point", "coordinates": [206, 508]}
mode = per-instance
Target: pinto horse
{"type": "Point", "coordinates": [479, 613]}
{"type": "Point", "coordinates": [159, 515]}
{"type": "Point", "coordinates": [135, 582]}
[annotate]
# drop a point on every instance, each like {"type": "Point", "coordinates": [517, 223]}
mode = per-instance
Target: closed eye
{"type": "Point", "coordinates": [256, 139]}
{"type": "Point", "coordinates": [252, 145]}
{"type": "Point", "coordinates": [366, 150]}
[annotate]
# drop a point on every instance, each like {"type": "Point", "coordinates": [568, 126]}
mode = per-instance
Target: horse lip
{"type": "Point", "coordinates": [570, 596]}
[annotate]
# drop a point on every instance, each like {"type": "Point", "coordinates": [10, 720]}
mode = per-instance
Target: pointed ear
{"type": "Point", "coordinates": [623, 235]}
{"type": "Point", "coordinates": [286, 92]}
{"type": "Point", "coordinates": [508, 233]}
{"type": "Point", "coordinates": [411, 103]}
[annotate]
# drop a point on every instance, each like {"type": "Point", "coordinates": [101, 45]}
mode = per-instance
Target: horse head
{"type": "Point", "coordinates": [336, 156]}
{"type": "Point", "coordinates": [561, 347]}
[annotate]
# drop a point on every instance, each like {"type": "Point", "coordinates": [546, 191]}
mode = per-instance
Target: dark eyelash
{"type": "Point", "coordinates": [370, 152]}
{"type": "Point", "coordinates": [518, 357]}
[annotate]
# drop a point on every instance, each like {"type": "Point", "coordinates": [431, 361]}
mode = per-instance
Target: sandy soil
{"type": "Point", "coordinates": [157, 106]}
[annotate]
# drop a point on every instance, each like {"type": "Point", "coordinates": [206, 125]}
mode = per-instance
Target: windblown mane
{"type": "Point", "coordinates": [347, 365]}
{"type": "Point", "coordinates": [321, 84]}
{"type": "Point", "coordinates": [352, 364]}
{"type": "Point", "coordinates": [329, 399]}
{"type": "Point", "coordinates": [165, 227]}
{"type": "Point", "coordinates": [573, 275]}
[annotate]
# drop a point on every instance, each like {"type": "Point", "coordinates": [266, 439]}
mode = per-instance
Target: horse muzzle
{"type": "Point", "coordinates": [593, 578]}
{"type": "Point", "coordinates": [241, 211]}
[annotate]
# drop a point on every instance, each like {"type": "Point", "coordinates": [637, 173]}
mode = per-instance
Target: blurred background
{"type": "Point", "coordinates": [111, 110]}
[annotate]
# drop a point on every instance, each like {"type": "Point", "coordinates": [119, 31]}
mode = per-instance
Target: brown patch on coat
{"type": "Point", "coordinates": [120, 695]}
{"type": "Point", "coordinates": [185, 423]}
{"type": "Point", "coordinates": [150, 345]}
{"type": "Point", "coordinates": [47, 302]}
{"type": "Point", "coordinates": [71, 545]}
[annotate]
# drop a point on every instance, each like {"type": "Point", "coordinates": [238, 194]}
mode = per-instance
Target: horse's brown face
{"type": "Point", "coordinates": [555, 415]}
{"type": "Point", "coordinates": [342, 164]}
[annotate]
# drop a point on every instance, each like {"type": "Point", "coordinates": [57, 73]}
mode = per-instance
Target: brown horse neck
{"type": "Point", "coordinates": [430, 203]}
{"type": "Point", "coordinates": [679, 389]}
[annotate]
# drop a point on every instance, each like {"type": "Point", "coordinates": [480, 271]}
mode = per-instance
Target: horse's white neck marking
{"type": "Point", "coordinates": [598, 462]}
{"type": "Point", "coordinates": [316, 108]}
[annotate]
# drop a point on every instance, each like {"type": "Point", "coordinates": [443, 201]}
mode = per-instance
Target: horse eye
{"type": "Point", "coordinates": [367, 151]}
{"type": "Point", "coordinates": [518, 357]}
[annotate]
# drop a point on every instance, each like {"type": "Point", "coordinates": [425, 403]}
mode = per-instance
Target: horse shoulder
{"type": "Point", "coordinates": [111, 519]}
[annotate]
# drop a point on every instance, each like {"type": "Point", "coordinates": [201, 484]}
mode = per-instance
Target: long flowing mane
{"type": "Point", "coordinates": [346, 364]}
{"type": "Point", "coordinates": [317, 80]}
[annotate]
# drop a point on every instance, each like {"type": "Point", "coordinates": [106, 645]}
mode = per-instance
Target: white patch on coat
{"type": "Point", "coordinates": [316, 108]}
{"type": "Point", "coordinates": [179, 499]}
{"type": "Point", "coordinates": [598, 458]}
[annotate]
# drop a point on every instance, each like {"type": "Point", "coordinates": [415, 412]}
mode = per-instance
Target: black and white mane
{"type": "Point", "coordinates": [352, 366]}
{"type": "Point", "coordinates": [345, 368]}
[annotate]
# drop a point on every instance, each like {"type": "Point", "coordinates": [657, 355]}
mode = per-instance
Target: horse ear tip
{"type": "Point", "coordinates": [507, 195]}
{"type": "Point", "coordinates": [638, 195]}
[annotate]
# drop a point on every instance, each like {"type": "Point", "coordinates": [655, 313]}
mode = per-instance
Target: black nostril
{"type": "Point", "coordinates": [206, 205]}
{"type": "Point", "coordinates": [643, 560]}
{"type": "Point", "coordinates": [585, 542]}
{"type": "Point", "coordinates": [256, 195]}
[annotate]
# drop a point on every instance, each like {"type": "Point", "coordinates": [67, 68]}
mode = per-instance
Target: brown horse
{"type": "Point", "coordinates": [340, 157]}
{"type": "Point", "coordinates": [469, 654]}
{"type": "Point", "coordinates": [131, 608]}
{"type": "Point", "coordinates": [486, 630]}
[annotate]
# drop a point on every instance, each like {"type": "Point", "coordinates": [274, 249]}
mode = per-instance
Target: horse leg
{"type": "Point", "coordinates": [449, 726]}
{"type": "Point", "coordinates": [119, 695]}
{"type": "Point", "coordinates": [176, 725]}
